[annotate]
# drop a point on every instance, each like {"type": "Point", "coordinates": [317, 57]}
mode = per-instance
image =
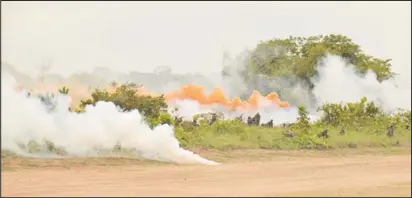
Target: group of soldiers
{"type": "Point", "coordinates": [213, 117]}
{"type": "Point", "coordinates": [255, 121]}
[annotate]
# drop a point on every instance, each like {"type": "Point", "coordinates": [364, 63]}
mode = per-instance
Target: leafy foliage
{"type": "Point", "coordinates": [127, 99]}
{"type": "Point", "coordinates": [299, 56]}
{"type": "Point", "coordinates": [296, 58]}
{"type": "Point", "coordinates": [336, 114]}
{"type": "Point", "coordinates": [303, 119]}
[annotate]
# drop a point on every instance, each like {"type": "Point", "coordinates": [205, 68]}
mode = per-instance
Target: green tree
{"type": "Point", "coordinates": [298, 56]}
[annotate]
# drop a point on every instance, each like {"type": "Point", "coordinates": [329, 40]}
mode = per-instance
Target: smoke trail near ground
{"type": "Point", "coordinates": [100, 128]}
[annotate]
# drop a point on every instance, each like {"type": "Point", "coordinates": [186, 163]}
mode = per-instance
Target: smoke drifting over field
{"type": "Point", "coordinates": [76, 37]}
{"type": "Point", "coordinates": [103, 127]}
{"type": "Point", "coordinates": [337, 82]}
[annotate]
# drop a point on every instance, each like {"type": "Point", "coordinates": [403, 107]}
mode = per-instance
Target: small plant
{"type": "Point", "coordinates": [303, 119]}
{"type": "Point", "coordinates": [48, 100]}
{"type": "Point", "coordinates": [64, 90]}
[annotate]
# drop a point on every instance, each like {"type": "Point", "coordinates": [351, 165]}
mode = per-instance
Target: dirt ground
{"type": "Point", "coordinates": [252, 173]}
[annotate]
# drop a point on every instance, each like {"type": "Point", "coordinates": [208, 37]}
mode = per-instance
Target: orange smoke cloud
{"type": "Point", "coordinates": [217, 96]}
{"type": "Point", "coordinates": [193, 92]}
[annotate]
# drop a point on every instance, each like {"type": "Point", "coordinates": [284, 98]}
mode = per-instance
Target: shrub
{"type": "Point", "coordinates": [352, 113]}
{"type": "Point", "coordinates": [163, 118]}
{"type": "Point", "coordinates": [64, 90]}
{"type": "Point", "coordinates": [127, 98]}
{"type": "Point", "coordinates": [303, 119]}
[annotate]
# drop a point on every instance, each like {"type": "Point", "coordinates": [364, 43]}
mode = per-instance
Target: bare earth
{"type": "Point", "coordinates": [279, 175]}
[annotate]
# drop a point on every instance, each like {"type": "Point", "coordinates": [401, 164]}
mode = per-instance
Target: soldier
{"type": "Point", "coordinates": [256, 119]}
{"type": "Point", "coordinates": [178, 120]}
{"type": "Point", "coordinates": [249, 120]}
{"type": "Point", "coordinates": [268, 124]}
{"type": "Point", "coordinates": [342, 131]}
{"type": "Point", "coordinates": [213, 119]}
{"type": "Point", "coordinates": [390, 130]}
{"type": "Point", "coordinates": [323, 134]}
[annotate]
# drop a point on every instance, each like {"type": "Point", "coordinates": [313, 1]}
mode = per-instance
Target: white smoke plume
{"type": "Point", "coordinates": [338, 82]}
{"type": "Point", "coordinates": [104, 126]}
{"type": "Point", "coordinates": [101, 127]}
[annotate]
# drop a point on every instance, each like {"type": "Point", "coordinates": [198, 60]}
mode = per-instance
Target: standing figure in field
{"type": "Point", "coordinates": [256, 120]}
{"type": "Point", "coordinates": [268, 124]}
{"type": "Point", "coordinates": [249, 121]}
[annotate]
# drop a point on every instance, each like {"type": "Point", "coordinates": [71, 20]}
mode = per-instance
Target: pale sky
{"type": "Point", "coordinates": [187, 36]}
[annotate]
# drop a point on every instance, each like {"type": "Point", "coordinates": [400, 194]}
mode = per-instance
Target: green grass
{"type": "Point", "coordinates": [363, 132]}
{"type": "Point", "coordinates": [233, 135]}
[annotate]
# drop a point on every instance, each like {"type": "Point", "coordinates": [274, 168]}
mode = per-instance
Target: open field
{"type": "Point", "coordinates": [349, 172]}
{"type": "Point", "coordinates": [235, 99]}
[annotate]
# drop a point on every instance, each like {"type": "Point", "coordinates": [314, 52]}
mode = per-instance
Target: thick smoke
{"type": "Point", "coordinates": [338, 82]}
{"type": "Point", "coordinates": [102, 127]}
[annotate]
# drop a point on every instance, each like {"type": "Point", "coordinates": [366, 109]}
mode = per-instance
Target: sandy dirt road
{"type": "Point", "coordinates": [371, 175]}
